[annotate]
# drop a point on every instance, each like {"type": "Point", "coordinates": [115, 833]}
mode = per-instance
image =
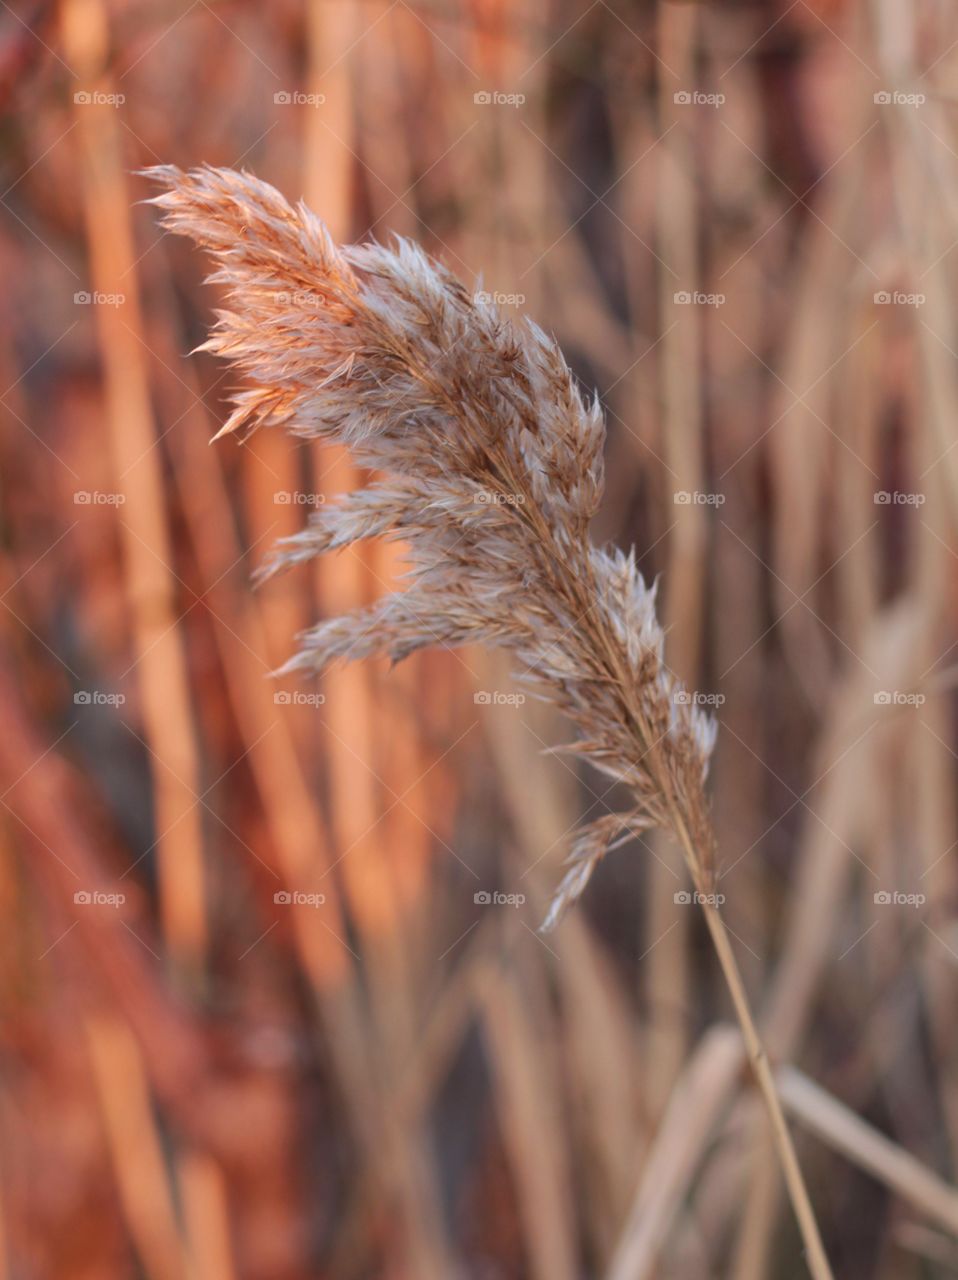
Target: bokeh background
{"type": "Point", "coordinates": [274, 1005]}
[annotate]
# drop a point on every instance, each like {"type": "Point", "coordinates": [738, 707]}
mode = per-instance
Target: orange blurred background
{"type": "Point", "coordinates": [274, 1005]}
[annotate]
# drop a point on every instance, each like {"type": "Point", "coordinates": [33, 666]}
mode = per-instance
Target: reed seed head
{"type": "Point", "coordinates": [489, 466]}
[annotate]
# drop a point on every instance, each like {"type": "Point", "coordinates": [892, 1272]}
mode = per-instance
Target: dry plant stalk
{"type": "Point", "coordinates": [491, 470]}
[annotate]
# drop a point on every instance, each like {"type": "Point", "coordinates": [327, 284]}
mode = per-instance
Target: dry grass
{"type": "Point", "coordinates": [404, 1083]}
{"type": "Point", "coordinates": [492, 470]}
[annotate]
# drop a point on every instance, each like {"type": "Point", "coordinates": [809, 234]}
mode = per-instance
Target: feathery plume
{"type": "Point", "coordinates": [491, 465]}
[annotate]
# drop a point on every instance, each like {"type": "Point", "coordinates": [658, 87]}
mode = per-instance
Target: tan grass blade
{"type": "Point", "coordinates": [136, 1149]}
{"type": "Point", "coordinates": [693, 1112]}
{"type": "Point", "coordinates": [528, 1099]}
{"type": "Point", "coordinates": [206, 1218]}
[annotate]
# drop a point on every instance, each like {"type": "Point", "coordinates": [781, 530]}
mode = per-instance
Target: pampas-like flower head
{"type": "Point", "coordinates": [491, 469]}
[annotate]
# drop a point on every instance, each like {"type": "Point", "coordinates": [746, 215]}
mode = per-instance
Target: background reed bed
{"type": "Point", "coordinates": [272, 1006]}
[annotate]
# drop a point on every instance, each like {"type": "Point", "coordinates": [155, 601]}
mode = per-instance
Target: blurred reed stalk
{"type": "Point", "coordinates": [149, 578]}
{"type": "Point", "coordinates": [492, 469]}
{"type": "Point", "coordinates": [677, 235]}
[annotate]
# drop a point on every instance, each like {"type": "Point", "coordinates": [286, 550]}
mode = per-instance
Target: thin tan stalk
{"type": "Point", "coordinates": [797, 1191]}
{"type": "Point", "coordinates": [838, 1127]}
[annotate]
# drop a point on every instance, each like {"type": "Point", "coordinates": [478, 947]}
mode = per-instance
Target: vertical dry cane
{"type": "Point", "coordinates": [489, 470]}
